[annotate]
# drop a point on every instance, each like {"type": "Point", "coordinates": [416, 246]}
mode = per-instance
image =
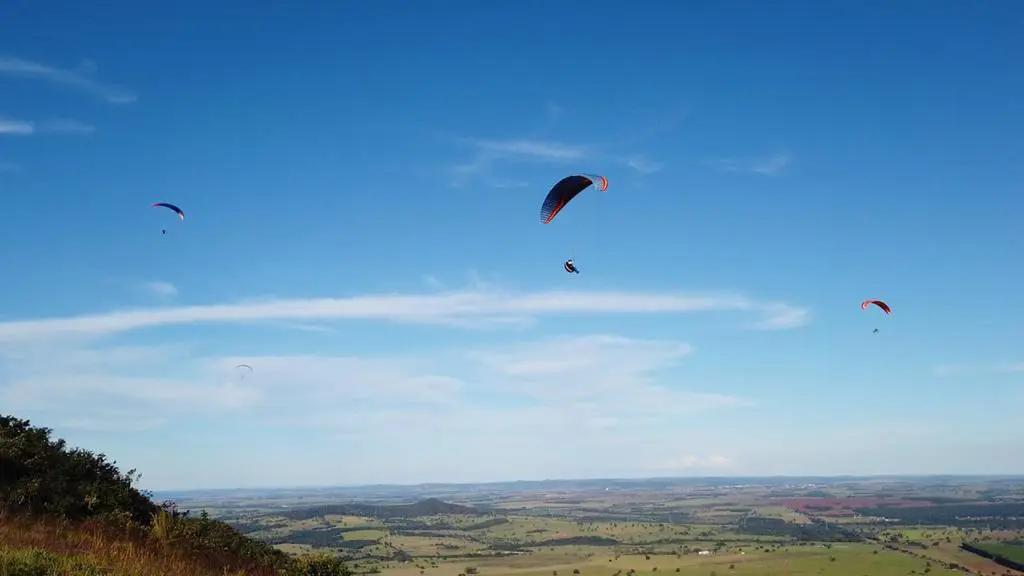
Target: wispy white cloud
{"type": "Point", "coordinates": [768, 165]}
{"type": "Point", "coordinates": [433, 282]}
{"type": "Point", "coordinates": [447, 308]}
{"type": "Point", "coordinates": [558, 357]}
{"type": "Point", "coordinates": [592, 369]}
{"type": "Point", "coordinates": [55, 125]}
{"type": "Point", "coordinates": [487, 153]}
{"type": "Point", "coordinates": [532, 149]}
{"type": "Point", "coordinates": [656, 124]}
{"type": "Point", "coordinates": [301, 327]}
{"type": "Point", "coordinates": [66, 125]}
{"type": "Point", "coordinates": [643, 165]}
{"type": "Point", "coordinates": [81, 78]}
{"type": "Point", "coordinates": [480, 168]}
{"type": "Point", "coordinates": [161, 289]}
{"type": "Point", "coordinates": [497, 405]}
{"type": "Point", "coordinates": [782, 317]}
{"type": "Point", "coordinates": [492, 402]}
{"type": "Point", "coordinates": [16, 127]}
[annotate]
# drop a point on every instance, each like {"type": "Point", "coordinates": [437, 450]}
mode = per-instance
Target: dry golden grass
{"type": "Point", "coordinates": [296, 549]}
{"type": "Point", "coordinates": [428, 546]}
{"type": "Point", "coordinates": [33, 546]}
{"type": "Point", "coordinates": [852, 560]}
{"type": "Point", "coordinates": [345, 521]}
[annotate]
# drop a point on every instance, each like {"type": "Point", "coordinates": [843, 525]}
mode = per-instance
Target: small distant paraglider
{"type": "Point", "coordinates": [169, 206]}
{"type": "Point", "coordinates": [243, 370]}
{"type": "Point", "coordinates": [570, 267]}
{"type": "Point", "coordinates": [882, 305]}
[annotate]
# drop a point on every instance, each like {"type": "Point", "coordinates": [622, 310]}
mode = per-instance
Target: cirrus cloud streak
{"type": "Point", "coordinates": [465, 308]}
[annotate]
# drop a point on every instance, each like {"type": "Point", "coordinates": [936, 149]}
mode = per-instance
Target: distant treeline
{"type": "Point", "coordinates": [568, 541]}
{"type": "Point", "coordinates": [326, 537]}
{"type": "Point", "coordinates": [634, 514]}
{"type": "Point", "coordinates": [936, 499]}
{"type": "Point", "coordinates": [644, 517]}
{"type": "Point", "coordinates": [605, 515]}
{"type": "Point", "coordinates": [403, 525]}
{"type": "Point", "coordinates": [577, 541]}
{"type": "Point", "coordinates": [249, 526]}
{"type": "Point", "coordinates": [998, 516]}
{"type": "Point", "coordinates": [1007, 555]}
{"type": "Point", "coordinates": [428, 507]}
{"type": "Point", "coordinates": [486, 524]}
{"type": "Point", "coordinates": [816, 531]}
{"type": "Point", "coordinates": [420, 533]}
{"type": "Point", "coordinates": [245, 527]}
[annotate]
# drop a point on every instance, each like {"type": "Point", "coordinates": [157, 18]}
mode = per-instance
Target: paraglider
{"type": "Point", "coordinates": [559, 196]}
{"type": "Point", "coordinates": [169, 206]}
{"type": "Point", "coordinates": [565, 190]}
{"type": "Point", "coordinates": [882, 305]}
{"type": "Point", "coordinates": [243, 372]}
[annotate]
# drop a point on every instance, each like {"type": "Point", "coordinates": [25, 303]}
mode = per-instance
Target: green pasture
{"type": "Point", "coordinates": [369, 534]}
{"type": "Point", "coordinates": [1013, 552]}
{"type": "Point", "coordinates": [347, 521]}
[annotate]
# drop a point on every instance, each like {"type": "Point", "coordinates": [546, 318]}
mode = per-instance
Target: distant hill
{"type": "Point", "coordinates": [70, 511]}
{"type": "Point", "coordinates": [428, 507]}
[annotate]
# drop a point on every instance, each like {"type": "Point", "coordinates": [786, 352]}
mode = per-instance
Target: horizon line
{"type": "Point", "coordinates": [601, 479]}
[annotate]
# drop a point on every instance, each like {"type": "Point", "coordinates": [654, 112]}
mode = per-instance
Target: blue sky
{"type": "Point", "coordinates": [362, 183]}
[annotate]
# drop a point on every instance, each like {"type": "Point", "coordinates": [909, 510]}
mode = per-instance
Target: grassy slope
{"type": "Point", "coordinates": [32, 545]}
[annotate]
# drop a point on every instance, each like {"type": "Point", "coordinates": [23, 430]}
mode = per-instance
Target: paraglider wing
{"type": "Point", "coordinates": [244, 366]}
{"type": "Point", "coordinates": [885, 307]}
{"type": "Point", "coordinates": [565, 190]}
{"type": "Point", "coordinates": [169, 206]}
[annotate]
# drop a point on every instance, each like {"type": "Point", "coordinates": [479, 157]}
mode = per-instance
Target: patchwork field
{"type": "Point", "coordinates": [873, 530]}
{"type": "Point", "coordinates": [849, 559]}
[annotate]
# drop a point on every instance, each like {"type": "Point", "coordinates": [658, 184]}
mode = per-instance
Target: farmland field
{"type": "Point", "coordinates": [604, 529]}
{"type": "Point", "coordinates": [1011, 551]}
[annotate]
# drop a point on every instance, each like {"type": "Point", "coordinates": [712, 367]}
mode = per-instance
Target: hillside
{"type": "Point", "coordinates": [428, 507]}
{"type": "Point", "coordinates": [69, 511]}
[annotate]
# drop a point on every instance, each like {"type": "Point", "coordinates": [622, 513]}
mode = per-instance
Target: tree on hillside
{"type": "Point", "coordinates": [39, 475]}
{"type": "Point", "coordinates": [42, 479]}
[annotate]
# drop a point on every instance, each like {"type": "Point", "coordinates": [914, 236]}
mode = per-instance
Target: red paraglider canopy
{"type": "Point", "coordinates": [885, 307]}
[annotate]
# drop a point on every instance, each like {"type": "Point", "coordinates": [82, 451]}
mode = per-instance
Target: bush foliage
{"type": "Point", "coordinates": [71, 511]}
